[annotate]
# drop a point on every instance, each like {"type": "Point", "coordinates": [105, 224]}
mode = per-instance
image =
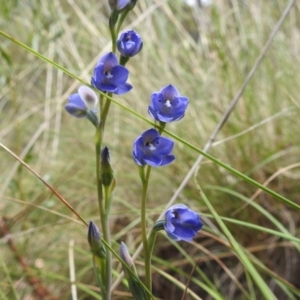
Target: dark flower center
{"type": "Point", "coordinates": [107, 75]}
{"type": "Point", "coordinates": [176, 214]}
{"type": "Point", "coordinates": [150, 145]}
{"type": "Point", "coordinates": [128, 37]}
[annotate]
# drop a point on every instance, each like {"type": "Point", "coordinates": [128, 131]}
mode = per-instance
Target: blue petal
{"type": "Point", "coordinates": [119, 75]}
{"type": "Point", "coordinates": [189, 218]}
{"type": "Point", "coordinates": [106, 87]}
{"type": "Point", "coordinates": [165, 160]}
{"type": "Point", "coordinates": [152, 113]}
{"type": "Point", "coordinates": [184, 233]}
{"type": "Point", "coordinates": [138, 148]}
{"type": "Point", "coordinates": [157, 101]}
{"type": "Point", "coordinates": [76, 101]}
{"type": "Point", "coordinates": [169, 92]}
{"type": "Point", "coordinates": [123, 88]}
{"type": "Point", "coordinates": [165, 118]}
{"type": "Point", "coordinates": [173, 236]}
{"type": "Point", "coordinates": [149, 135]}
{"type": "Point", "coordinates": [169, 227]}
{"type": "Point", "coordinates": [179, 105]}
{"type": "Point", "coordinates": [75, 111]}
{"type": "Point", "coordinates": [109, 60]}
{"type": "Point", "coordinates": [164, 146]}
{"type": "Point", "coordinates": [138, 160]}
{"type": "Point", "coordinates": [152, 160]}
{"type": "Point", "coordinates": [178, 117]}
{"type": "Point", "coordinates": [138, 153]}
{"type": "Point", "coordinates": [99, 73]}
{"type": "Point", "coordinates": [180, 101]}
{"type": "Point", "coordinates": [129, 47]}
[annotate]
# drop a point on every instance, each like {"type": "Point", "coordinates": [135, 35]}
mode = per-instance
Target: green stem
{"type": "Point", "coordinates": [105, 111]}
{"type": "Point", "coordinates": [147, 252]}
{"type": "Point", "coordinates": [113, 38]}
{"type": "Point", "coordinates": [107, 274]}
{"type": "Point", "coordinates": [151, 241]}
{"type": "Point", "coordinates": [121, 20]}
{"type": "Point", "coordinates": [99, 268]}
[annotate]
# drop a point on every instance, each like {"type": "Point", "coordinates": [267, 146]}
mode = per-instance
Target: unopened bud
{"type": "Point", "coordinates": [124, 253]}
{"type": "Point", "coordinates": [107, 173]}
{"type": "Point", "coordinates": [94, 239]}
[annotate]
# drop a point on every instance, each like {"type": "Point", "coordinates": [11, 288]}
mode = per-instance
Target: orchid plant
{"type": "Point", "coordinates": [150, 149]}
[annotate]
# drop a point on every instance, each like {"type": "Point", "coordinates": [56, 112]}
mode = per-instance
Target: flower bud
{"type": "Point", "coordinates": [124, 253]}
{"type": "Point", "coordinates": [107, 173]}
{"type": "Point", "coordinates": [94, 240]}
{"type": "Point", "coordinates": [83, 104]}
{"type": "Point", "coordinates": [137, 290]}
{"type": "Point", "coordinates": [129, 43]}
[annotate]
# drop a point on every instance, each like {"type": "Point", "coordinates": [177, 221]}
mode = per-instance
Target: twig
{"type": "Point", "coordinates": [45, 183]}
{"type": "Point", "coordinates": [72, 270]}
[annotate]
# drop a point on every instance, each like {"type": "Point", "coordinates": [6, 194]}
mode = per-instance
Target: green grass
{"type": "Point", "coordinates": [260, 139]}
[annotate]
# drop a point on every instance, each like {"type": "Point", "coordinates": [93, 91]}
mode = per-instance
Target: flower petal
{"type": "Point", "coordinates": [152, 113]}
{"type": "Point", "coordinates": [184, 233]}
{"type": "Point", "coordinates": [164, 118]}
{"type": "Point", "coordinates": [152, 160]}
{"type": "Point", "coordinates": [76, 101]}
{"type": "Point", "coordinates": [164, 146]}
{"type": "Point", "coordinates": [123, 88]}
{"type": "Point", "coordinates": [169, 92]}
{"type": "Point", "coordinates": [109, 60]}
{"type": "Point", "coordinates": [157, 100]}
{"type": "Point", "coordinates": [89, 97]}
{"type": "Point", "coordinates": [150, 135]}
{"type": "Point", "coordinates": [119, 75]}
{"type": "Point", "coordinates": [165, 160]}
{"type": "Point", "coordinates": [75, 111]}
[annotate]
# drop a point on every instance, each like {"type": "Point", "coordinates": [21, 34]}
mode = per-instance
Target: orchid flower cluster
{"type": "Point", "coordinates": [150, 149]}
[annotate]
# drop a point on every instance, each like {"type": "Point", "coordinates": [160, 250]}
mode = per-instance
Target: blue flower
{"type": "Point", "coordinates": [80, 103]}
{"type": "Point", "coordinates": [182, 223]}
{"type": "Point", "coordinates": [109, 76]}
{"type": "Point", "coordinates": [167, 105]}
{"type": "Point", "coordinates": [129, 43]}
{"type": "Point", "coordinates": [152, 149]}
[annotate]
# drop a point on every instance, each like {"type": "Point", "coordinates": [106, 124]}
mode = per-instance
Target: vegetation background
{"type": "Point", "coordinates": [206, 52]}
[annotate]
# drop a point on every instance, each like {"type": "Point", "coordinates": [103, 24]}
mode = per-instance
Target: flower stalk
{"type": "Point", "coordinates": [145, 176]}
{"type": "Point", "coordinates": [102, 200]}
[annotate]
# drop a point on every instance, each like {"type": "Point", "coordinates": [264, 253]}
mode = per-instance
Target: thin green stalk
{"type": "Point", "coordinates": [112, 30]}
{"type": "Point", "coordinates": [107, 277]}
{"type": "Point", "coordinates": [151, 242]}
{"type": "Point", "coordinates": [99, 269]}
{"type": "Point", "coordinates": [105, 111]}
{"type": "Point", "coordinates": [147, 253]}
{"type": "Point", "coordinates": [121, 20]}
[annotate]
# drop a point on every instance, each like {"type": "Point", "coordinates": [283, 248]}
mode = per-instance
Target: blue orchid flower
{"type": "Point", "coordinates": [152, 149]}
{"type": "Point", "coordinates": [167, 105]}
{"type": "Point", "coordinates": [109, 76]}
{"type": "Point", "coordinates": [182, 223]}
